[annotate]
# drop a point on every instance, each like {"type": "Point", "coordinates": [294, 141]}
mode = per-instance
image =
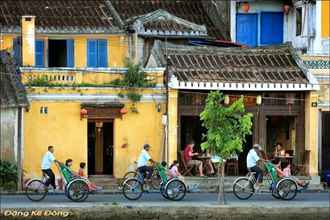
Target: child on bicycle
{"type": "Point", "coordinates": [286, 169]}
{"type": "Point", "coordinates": [81, 173]}
{"type": "Point", "coordinates": [174, 171]}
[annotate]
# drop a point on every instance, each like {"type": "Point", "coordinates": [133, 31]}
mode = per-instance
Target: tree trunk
{"type": "Point", "coordinates": [221, 194]}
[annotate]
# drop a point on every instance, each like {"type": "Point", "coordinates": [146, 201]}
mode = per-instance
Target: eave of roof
{"type": "Point", "coordinates": [272, 68]}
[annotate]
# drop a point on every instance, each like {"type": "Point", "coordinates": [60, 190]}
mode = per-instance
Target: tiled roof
{"type": "Point", "coordinates": [12, 93]}
{"type": "Point", "coordinates": [190, 10]}
{"type": "Point", "coordinates": [276, 64]}
{"type": "Point", "coordinates": [162, 23]}
{"type": "Point", "coordinates": [60, 15]}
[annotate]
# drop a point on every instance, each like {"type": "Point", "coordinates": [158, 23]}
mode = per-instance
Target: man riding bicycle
{"type": "Point", "coordinates": [142, 162]}
{"type": "Point", "coordinates": [251, 163]}
{"type": "Point", "coordinates": [46, 164]}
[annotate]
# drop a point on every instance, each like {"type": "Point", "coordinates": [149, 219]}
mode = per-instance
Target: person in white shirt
{"type": "Point", "coordinates": [46, 164]}
{"type": "Point", "coordinates": [142, 162]}
{"type": "Point", "coordinates": [251, 163]}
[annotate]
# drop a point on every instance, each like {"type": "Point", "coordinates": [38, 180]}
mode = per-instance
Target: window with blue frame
{"type": "Point", "coordinates": [97, 53]}
{"type": "Point", "coordinates": [60, 53]}
{"type": "Point", "coordinates": [264, 28]}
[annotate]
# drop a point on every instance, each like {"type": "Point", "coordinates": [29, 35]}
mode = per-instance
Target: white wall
{"type": "Point", "coordinates": [289, 23]}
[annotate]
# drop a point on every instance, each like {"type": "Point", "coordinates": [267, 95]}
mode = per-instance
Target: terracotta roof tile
{"type": "Point", "coordinates": [276, 64]}
{"type": "Point", "coordinates": [58, 14]}
{"type": "Point", "coordinates": [190, 10]}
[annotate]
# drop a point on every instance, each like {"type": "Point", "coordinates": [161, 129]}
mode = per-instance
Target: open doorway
{"type": "Point", "coordinates": [280, 129]}
{"type": "Point", "coordinates": [100, 148]}
{"type": "Point", "coordinates": [57, 53]}
{"type": "Point", "coordinates": [191, 130]}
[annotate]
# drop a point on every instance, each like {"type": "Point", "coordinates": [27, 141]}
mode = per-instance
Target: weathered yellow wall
{"type": "Point", "coordinates": [325, 18]}
{"type": "Point", "coordinates": [80, 51]}
{"type": "Point", "coordinates": [6, 42]}
{"type": "Point", "coordinates": [311, 131]}
{"type": "Point", "coordinates": [118, 50]}
{"type": "Point", "coordinates": [172, 125]}
{"type": "Point", "coordinates": [136, 130]}
{"type": "Point", "coordinates": [61, 127]}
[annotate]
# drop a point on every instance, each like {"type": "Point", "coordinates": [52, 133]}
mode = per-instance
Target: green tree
{"type": "Point", "coordinates": [226, 127]}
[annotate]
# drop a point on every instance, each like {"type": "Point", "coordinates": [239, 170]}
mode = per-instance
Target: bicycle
{"type": "Point", "coordinates": [154, 180]}
{"type": "Point", "coordinates": [171, 189]}
{"type": "Point", "coordinates": [76, 188]}
{"type": "Point", "coordinates": [284, 188]}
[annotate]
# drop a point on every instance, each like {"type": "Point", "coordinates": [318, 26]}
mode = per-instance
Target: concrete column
{"type": "Point", "coordinates": [311, 131]}
{"type": "Point", "coordinates": [172, 147]}
{"type": "Point", "coordinates": [28, 40]}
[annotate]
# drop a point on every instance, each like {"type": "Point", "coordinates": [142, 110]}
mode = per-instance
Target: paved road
{"type": "Point", "coordinates": [155, 199]}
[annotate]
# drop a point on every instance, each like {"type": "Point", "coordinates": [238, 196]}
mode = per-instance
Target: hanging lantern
{"type": "Point", "coordinates": [226, 100]}
{"type": "Point", "coordinates": [286, 9]}
{"type": "Point", "coordinates": [259, 100]}
{"type": "Point", "coordinates": [123, 111]}
{"type": "Point", "coordinates": [83, 113]}
{"type": "Point", "coordinates": [246, 7]}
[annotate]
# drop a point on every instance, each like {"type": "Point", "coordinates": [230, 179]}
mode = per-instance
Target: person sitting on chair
{"type": "Point", "coordinates": [142, 162]}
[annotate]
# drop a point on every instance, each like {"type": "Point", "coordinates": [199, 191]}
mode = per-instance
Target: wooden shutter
{"type": "Point", "coordinates": [70, 53]}
{"type": "Point", "coordinates": [92, 53]}
{"type": "Point", "coordinates": [271, 28]}
{"type": "Point", "coordinates": [17, 49]}
{"type": "Point", "coordinates": [39, 53]}
{"type": "Point", "coordinates": [102, 51]}
{"type": "Point", "coordinates": [247, 29]}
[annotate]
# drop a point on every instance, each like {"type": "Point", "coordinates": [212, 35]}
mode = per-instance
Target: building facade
{"type": "Point", "coordinates": [68, 62]}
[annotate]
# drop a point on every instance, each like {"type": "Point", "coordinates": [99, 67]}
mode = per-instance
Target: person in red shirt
{"type": "Point", "coordinates": [187, 156]}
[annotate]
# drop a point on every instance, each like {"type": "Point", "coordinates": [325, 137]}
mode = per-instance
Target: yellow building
{"type": "Point", "coordinates": [68, 64]}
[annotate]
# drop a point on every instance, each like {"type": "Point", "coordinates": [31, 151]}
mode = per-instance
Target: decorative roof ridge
{"type": "Point", "coordinates": [137, 22]}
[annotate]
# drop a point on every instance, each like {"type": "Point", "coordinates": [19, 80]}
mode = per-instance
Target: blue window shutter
{"type": "Point", "coordinates": [92, 53]}
{"type": "Point", "coordinates": [271, 28]}
{"type": "Point", "coordinates": [102, 51]}
{"type": "Point", "coordinates": [70, 53]}
{"type": "Point", "coordinates": [17, 49]}
{"type": "Point", "coordinates": [39, 53]}
{"type": "Point", "coordinates": [247, 29]}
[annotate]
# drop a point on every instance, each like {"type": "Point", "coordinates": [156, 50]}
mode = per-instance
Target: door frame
{"type": "Point", "coordinates": [107, 120]}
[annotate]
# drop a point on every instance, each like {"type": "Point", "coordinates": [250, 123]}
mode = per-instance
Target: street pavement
{"type": "Point", "coordinates": [305, 199]}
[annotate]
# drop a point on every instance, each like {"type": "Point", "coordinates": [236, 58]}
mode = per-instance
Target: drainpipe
{"type": "Point", "coordinates": [20, 148]}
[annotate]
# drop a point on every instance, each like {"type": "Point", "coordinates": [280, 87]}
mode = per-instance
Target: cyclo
{"type": "Point", "coordinates": [76, 188]}
{"type": "Point", "coordinates": [280, 188]}
{"type": "Point", "coordinates": [171, 189]}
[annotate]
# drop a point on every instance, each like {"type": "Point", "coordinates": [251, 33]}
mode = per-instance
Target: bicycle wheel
{"type": "Point", "coordinates": [243, 188]}
{"type": "Point", "coordinates": [162, 191]}
{"type": "Point", "coordinates": [130, 174]}
{"type": "Point", "coordinates": [36, 190]}
{"type": "Point", "coordinates": [132, 189]}
{"type": "Point", "coordinates": [155, 181]}
{"type": "Point", "coordinates": [175, 190]}
{"type": "Point", "coordinates": [287, 189]}
{"type": "Point", "coordinates": [77, 190]}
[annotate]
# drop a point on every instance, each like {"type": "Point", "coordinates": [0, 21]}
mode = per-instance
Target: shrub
{"type": "Point", "coordinates": [8, 175]}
